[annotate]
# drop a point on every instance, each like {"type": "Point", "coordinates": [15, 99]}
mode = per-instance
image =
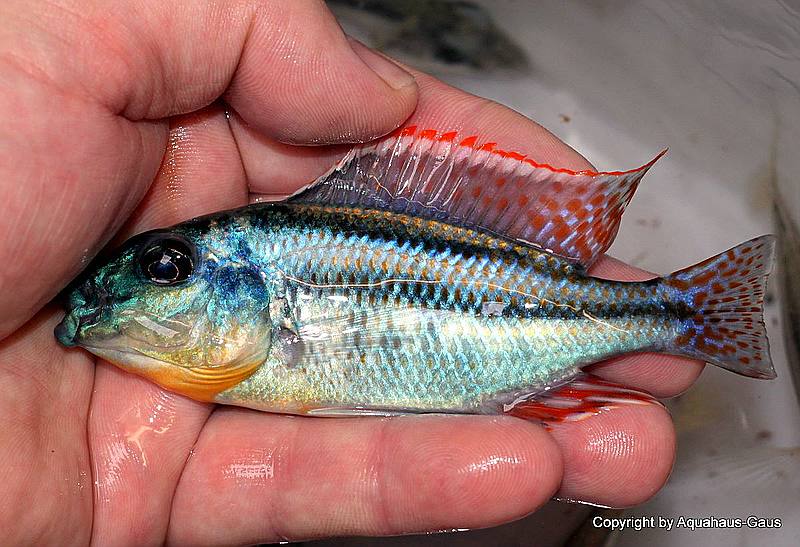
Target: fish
{"type": "Point", "coordinates": [423, 272]}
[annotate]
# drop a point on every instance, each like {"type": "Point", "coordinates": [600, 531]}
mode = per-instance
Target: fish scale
{"type": "Point", "coordinates": [448, 353]}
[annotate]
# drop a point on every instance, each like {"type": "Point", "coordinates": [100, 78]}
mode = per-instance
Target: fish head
{"type": "Point", "coordinates": [183, 307]}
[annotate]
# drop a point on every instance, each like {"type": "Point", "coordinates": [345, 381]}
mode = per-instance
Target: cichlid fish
{"type": "Point", "coordinates": [421, 274]}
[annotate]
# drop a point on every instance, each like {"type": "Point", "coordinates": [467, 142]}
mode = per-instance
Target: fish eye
{"type": "Point", "coordinates": [167, 260]}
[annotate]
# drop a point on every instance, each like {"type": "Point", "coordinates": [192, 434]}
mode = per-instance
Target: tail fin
{"type": "Point", "coordinates": [725, 296]}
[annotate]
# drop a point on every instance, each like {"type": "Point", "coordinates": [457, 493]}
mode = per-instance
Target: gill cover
{"type": "Point", "coordinates": [229, 340]}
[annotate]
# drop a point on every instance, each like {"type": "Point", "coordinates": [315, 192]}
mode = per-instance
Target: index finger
{"type": "Point", "coordinates": [257, 477]}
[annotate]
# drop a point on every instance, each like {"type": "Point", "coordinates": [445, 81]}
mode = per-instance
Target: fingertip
{"type": "Point", "coordinates": [200, 173]}
{"type": "Point", "coordinates": [276, 168]}
{"type": "Point", "coordinates": [467, 472]}
{"type": "Point", "coordinates": [619, 458]}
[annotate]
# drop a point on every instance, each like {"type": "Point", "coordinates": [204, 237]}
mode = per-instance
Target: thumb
{"type": "Point", "coordinates": [310, 84]}
{"type": "Point", "coordinates": [286, 67]}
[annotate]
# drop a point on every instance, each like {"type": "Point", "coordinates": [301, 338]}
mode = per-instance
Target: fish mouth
{"type": "Point", "coordinates": [67, 330]}
{"type": "Point", "coordinates": [84, 308]}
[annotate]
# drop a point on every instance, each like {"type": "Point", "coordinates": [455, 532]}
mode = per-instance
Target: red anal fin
{"type": "Point", "coordinates": [581, 397]}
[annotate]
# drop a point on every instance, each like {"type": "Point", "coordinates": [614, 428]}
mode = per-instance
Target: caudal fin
{"type": "Point", "coordinates": [725, 296]}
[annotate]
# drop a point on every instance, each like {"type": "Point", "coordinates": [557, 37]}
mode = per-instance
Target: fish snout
{"type": "Point", "coordinates": [84, 308]}
{"type": "Point", "coordinates": [66, 331]}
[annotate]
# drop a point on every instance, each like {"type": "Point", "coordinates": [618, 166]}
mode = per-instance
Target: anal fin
{"type": "Point", "coordinates": [582, 396]}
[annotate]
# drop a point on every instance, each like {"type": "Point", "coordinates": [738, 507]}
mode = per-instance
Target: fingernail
{"type": "Point", "coordinates": [389, 72]}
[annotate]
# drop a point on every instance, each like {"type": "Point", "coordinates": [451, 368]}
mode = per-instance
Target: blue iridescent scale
{"type": "Point", "coordinates": [381, 310]}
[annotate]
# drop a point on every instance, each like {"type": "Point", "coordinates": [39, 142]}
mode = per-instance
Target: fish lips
{"type": "Point", "coordinates": [84, 308]}
{"type": "Point", "coordinates": [67, 330]}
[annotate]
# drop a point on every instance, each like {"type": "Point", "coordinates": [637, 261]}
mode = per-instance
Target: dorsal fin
{"type": "Point", "coordinates": [438, 176]}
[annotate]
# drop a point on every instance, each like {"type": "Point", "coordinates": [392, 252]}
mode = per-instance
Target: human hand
{"type": "Point", "coordinates": [91, 101]}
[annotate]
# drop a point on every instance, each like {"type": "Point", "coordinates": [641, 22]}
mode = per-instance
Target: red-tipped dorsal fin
{"type": "Point", "coordinates": [437, 175]}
